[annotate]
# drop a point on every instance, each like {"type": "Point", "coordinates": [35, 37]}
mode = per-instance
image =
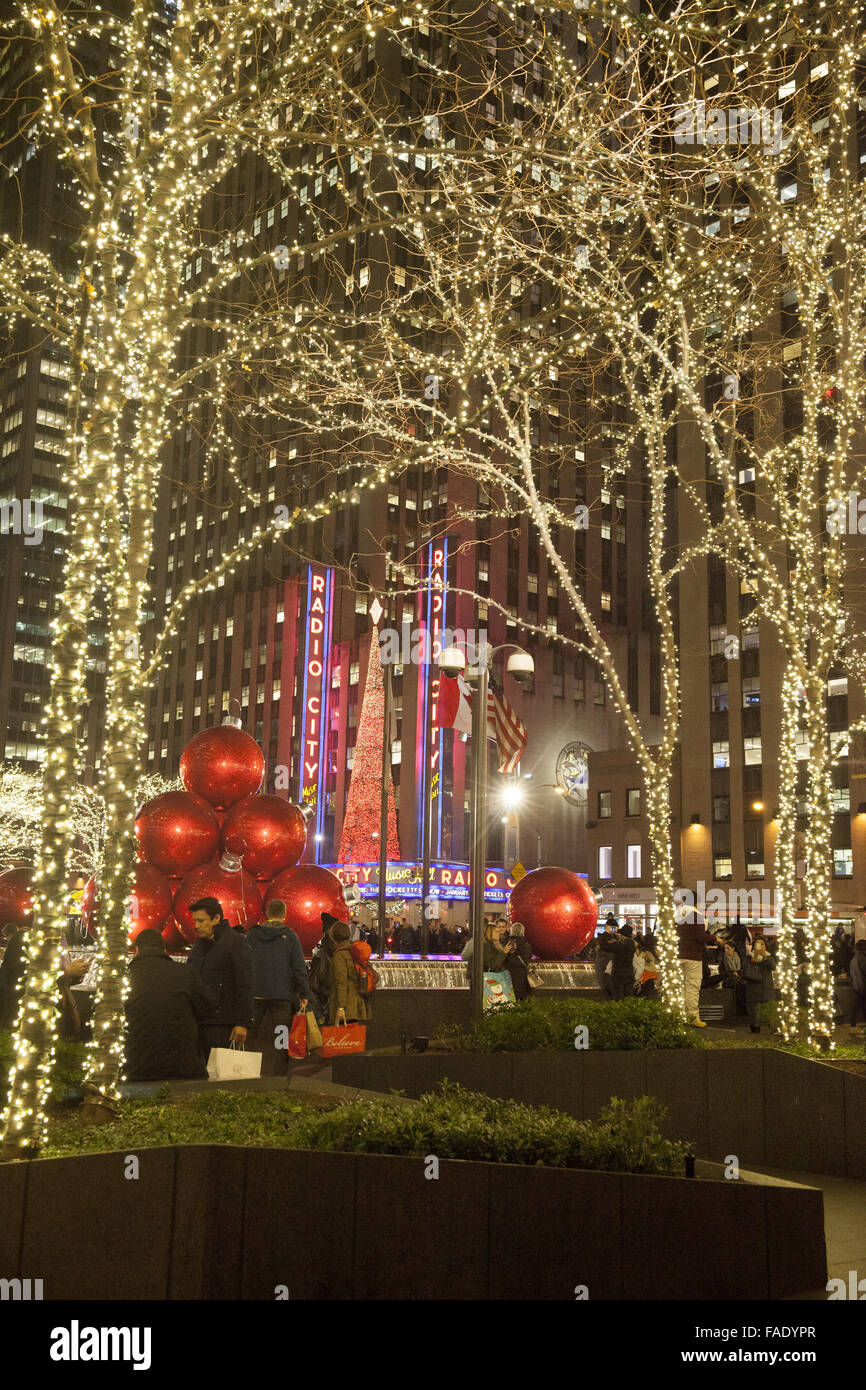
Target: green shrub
{"type": "Point", "coordinates": [66, 1074]}
{"type": "Point", "coordinates": [547, 1025]}
{"type": "Point", "coordinates": [453, 1123]}
{"type": "Point", "coordinates": [450, 1122]}
{"type": "Point", "coordinates": [210, 1117]}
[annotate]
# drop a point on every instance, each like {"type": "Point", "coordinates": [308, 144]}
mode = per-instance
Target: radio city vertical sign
{"type": "Point", "coordinates": [431, 617]}
{"type": "Point", "coordinates": [318, 619]}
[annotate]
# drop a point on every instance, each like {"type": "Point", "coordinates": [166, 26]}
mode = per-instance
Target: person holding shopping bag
{"type": "Point", "coordinates": [345, 1004]}
{"type": "Point", "coordinates": [224, 964]}
{"type": "Point", "coordinates": [281, 985]}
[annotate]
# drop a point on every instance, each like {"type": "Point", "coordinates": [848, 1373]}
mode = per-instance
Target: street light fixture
{"type": "Point", "coordinates": [512, 794]}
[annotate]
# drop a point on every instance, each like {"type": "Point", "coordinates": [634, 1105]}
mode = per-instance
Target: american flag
{"type": "Point", "coordinates": [504, 727]}
{"type": "Point", "coordinates": [507, 729]}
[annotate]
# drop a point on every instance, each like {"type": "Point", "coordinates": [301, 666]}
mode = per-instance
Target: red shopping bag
{"type": "Point", "coordinates": [298, 1036]}
{"type": "Point", "coordinates": [343, 1038]}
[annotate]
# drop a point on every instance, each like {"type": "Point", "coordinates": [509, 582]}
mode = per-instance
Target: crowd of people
{"type": "Point", "coordinates": [242, 989]}
{"type": "Point", "coordinates": [235, 989]}
{"type": "Point", "coordinates": [730, 957]}
{"type": "Point", "coordinates": [401, 938]}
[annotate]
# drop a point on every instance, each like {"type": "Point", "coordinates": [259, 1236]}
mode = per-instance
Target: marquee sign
{"type": "Point", "coordinates": [432, 621]}
{"type": "Point", "coordinates": [314, 708]}
{"type": "Point", "coordinates": [404, 880]}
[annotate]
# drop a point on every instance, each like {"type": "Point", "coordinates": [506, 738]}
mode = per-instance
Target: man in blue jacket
{"type": "Point", "coordinates": [281, 985]}
{"type": "Point", "coordinates": [222, 960]}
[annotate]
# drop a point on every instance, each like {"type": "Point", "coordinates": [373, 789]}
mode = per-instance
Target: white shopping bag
{"type": "Point", "coordinates": [233, 1064]}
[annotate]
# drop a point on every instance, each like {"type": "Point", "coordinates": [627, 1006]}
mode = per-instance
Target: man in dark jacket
{"type": "Point", "coordinates": [281, 985]}
{"type": "Point", "coordinates": [223, 962]}
{"type": "Point", "coordinates": [163, 1009]}
{"type": "Point", "coordinates": [694, 937]}
{"type": "Point", "coordinates": [407, 941]}
{"type": "Point", "coordinates": [620, 946]}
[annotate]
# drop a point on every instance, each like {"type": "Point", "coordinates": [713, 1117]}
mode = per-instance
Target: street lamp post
{"type": "Point", "coordinates": [383, 801]}
{"type": "Point", "coordinates": [478, 849]}
{"type": "Point", "coordinates": [453, 662]}
{"type": "Point", "coordinates": [376, 610]}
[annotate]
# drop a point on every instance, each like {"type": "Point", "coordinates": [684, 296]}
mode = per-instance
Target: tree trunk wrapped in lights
{"type": "Point", "coordinates": [148, 147]}
{"type": "Point", "coordinates": [661, 254]}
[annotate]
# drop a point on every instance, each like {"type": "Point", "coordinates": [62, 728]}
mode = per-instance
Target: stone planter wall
{"type": "Point", "coordinates": [763, 1105]}
{"type": "Point", "coordinates": [218, 1222]}
{"type": "Point", "coordinates": [420, 1011]}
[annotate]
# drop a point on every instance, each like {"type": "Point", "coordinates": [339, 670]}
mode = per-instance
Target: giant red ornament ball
{"type": "Point", "coordinates": [558, 909]}
{"type": "Point", "coordinates": [16, 899]}
{"type": "Point", "coordinates": [151, 901]}
{"type": "Point", "coordinates": [234, 888]}
{"type": "Point", "coordinates": [175, 941]}
{"type": "Point", "coordinates": [308, 891]}
{"type": "Point", "coordinates": [177, 832]}
{"type": "Point", "coordinates": [268, 832]}
{"type": "Point", "coordinates": [223, 765]}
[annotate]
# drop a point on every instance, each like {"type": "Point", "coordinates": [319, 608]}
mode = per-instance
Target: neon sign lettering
{"type": "Point", "coordinates": [317, 641]}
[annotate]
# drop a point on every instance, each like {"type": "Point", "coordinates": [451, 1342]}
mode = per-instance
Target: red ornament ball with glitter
{"type": "Point", "coordinates": [308, 891]}
{"type": "Point", "coordinates": [175, 941]}
{"type": "Point", "coordinates": [558, 909]}
{"type": "Point", "coordinates": [222, 765]}
{"type": "Point", "coordinates": [235, 889]}
{"type": "Point", "coordinates": [16, 899]}
{"type": "Point", "coordinates": [150, 901]}
{"type": "Point", "coordinates": [176, 832]}
{"type": "Point", "coordinates": [268, 833]}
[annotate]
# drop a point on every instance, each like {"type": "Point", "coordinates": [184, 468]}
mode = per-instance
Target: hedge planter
{"type": "Point", "coordinates": [764, 1105]}
{"type": "Point", "coordinates": [212, 1222]}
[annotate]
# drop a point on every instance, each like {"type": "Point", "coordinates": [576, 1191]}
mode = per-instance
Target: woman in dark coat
{"type": "Point", "coordinates": [758, 975]}
{"type": "Point", "coordinates": [857, 970]}
{"type": "Point", "coordinates": [517, 962]}
{"type": "Point", "coordinates": [496, 951]}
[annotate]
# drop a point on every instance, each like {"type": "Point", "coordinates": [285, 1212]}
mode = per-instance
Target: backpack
{"type": "Point", "coordinates": [319, 972]}
{"type": "Point", "coordinates": [366, 978]}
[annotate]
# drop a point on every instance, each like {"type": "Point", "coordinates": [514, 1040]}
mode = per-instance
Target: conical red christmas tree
{"type": "Point", "coordinates": [358, 843]}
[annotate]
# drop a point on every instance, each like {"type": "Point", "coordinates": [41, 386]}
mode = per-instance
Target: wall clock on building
{"type": "Point", "coordinates": [572, 772]}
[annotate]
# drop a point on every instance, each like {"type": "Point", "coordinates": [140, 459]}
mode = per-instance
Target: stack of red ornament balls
{"type": "Point", "coordinates": [219, 839]}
